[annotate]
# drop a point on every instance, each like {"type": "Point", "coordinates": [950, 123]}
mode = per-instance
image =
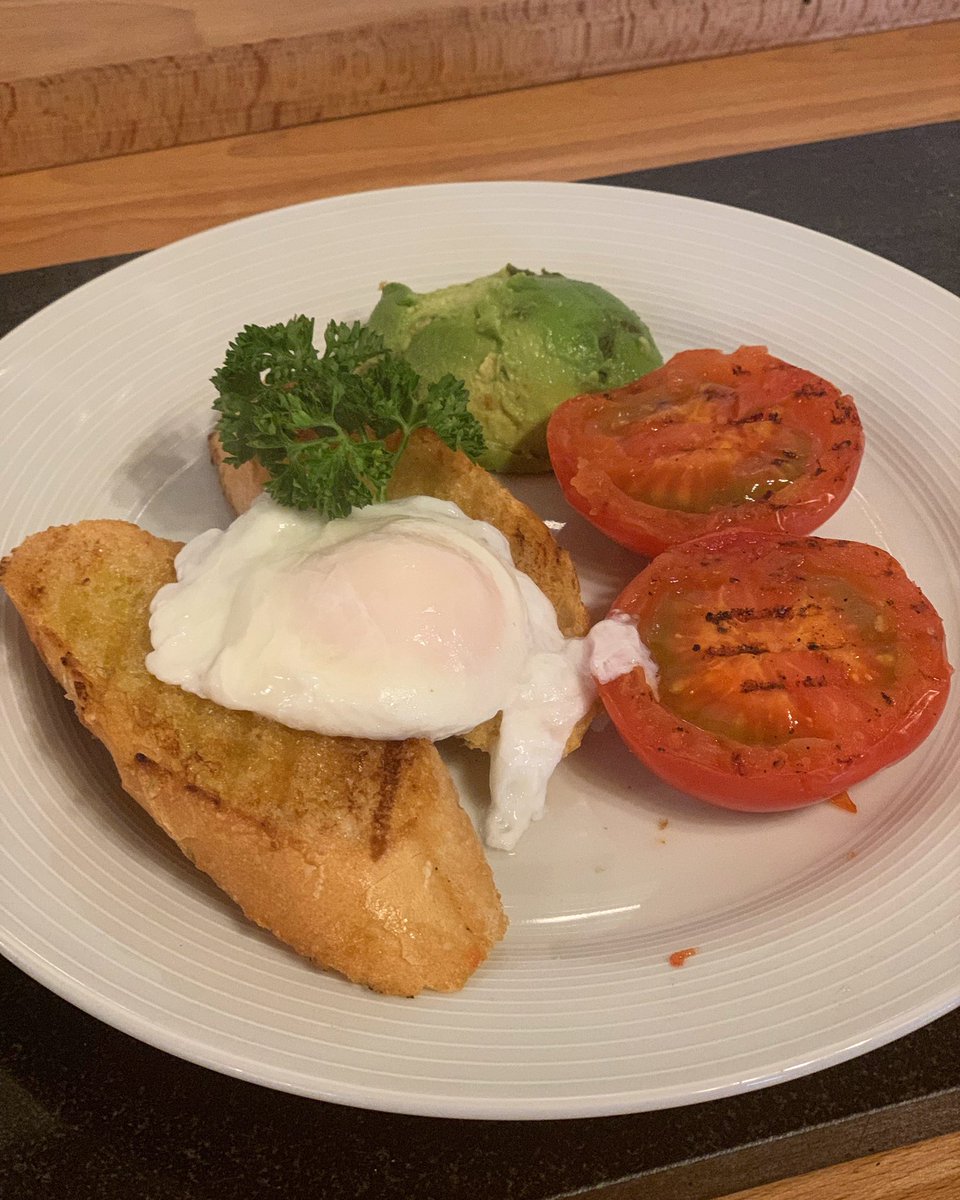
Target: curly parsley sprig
{"type": "Point", "coordinates": [330, 428]}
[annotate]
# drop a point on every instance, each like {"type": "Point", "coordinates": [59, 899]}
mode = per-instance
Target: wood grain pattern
{"type": "Point", "coordinates": [52, 37]}
{"type": "Point", "coordinates": [81, 80]}
{"type": "Point", "coordinates": [926, 1171]}
{"type": "Point", "coordinates": [564, 131]}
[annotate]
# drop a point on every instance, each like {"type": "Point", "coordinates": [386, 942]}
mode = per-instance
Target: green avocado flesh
{"type": "Point", "coordinates": [522, 343]}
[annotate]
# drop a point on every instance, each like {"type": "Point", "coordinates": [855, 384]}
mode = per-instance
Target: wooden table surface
{"type": "Point", "coordinates": [561, 131]}
{"type": "Point", "coordinates": [573, 130]}
{"type": "Point", "coordinates": [81, 79]}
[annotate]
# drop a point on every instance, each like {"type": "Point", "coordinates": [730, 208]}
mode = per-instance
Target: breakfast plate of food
{"type": "Point", "coordinates": [514, 622]}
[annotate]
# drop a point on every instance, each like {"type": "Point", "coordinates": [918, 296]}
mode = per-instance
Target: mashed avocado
{"type": "Point", "coordinates": [522, 342]}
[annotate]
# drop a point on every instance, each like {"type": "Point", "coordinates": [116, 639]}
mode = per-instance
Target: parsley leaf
{"type": "Point", "coordinates": [330, 428]}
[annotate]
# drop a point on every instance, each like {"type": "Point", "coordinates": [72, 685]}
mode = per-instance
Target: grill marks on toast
{"type": "Point", "coordinates": [391, 762]}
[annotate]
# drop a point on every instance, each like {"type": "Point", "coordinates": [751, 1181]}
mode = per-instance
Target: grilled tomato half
{"type": "Point", "coordinates": [708, 441]}
{"type": "Point", "coordinates": [788, 669]}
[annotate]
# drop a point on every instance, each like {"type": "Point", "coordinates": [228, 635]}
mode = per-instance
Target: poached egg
{"type": "Point", "coordinates": [403, 620]}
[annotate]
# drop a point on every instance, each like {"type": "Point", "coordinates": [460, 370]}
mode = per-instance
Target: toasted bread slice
{"type": "Point", "coordinates": [356, 853]}
{"type": "Point", "coordinates": [429, 467]}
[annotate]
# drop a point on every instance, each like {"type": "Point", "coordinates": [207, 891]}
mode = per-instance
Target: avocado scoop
{"type": "Point", "coordinates": [522, 342]}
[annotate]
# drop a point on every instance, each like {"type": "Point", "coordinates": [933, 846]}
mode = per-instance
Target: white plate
{"type": "Point", "coordinates": [821, 934]}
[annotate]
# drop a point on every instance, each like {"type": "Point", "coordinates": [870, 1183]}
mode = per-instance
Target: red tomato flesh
{"type": "Point", "coordinates": [707, 442]}
{"type": "Point", "coordinates": [789, 668]}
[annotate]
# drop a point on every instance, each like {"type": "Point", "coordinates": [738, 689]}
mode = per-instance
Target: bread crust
{"type": "Point", "coordinates": [356, 853]}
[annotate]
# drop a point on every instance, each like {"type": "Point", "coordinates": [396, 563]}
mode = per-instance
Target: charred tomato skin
{"type": "Point", "coordinates": [789, 668]}
{"type": "Point", "coordinates": [706, 442]}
